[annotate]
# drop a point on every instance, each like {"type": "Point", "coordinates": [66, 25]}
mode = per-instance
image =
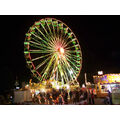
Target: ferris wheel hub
{"type": "Point", "coordinates": [61, 50]}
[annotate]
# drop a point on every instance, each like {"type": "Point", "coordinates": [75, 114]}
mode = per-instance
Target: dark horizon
{"type": "Point", "coordinates": [98, 37]}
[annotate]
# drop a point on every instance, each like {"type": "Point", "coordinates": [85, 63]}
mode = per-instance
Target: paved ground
{"type": "Point", "coordinates": [99, 101]}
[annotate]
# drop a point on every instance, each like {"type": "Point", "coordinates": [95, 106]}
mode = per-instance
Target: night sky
{"type": "Point", "coordinates": [98, 36]}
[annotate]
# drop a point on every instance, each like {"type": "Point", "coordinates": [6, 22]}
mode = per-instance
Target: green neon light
{"type": "Point", "coordinates": [49, 20]}
{"type": "Point", "coordinates": [26, 52]}
{"type": "Point", "coordinates": [33, 32]}
{"type": "Point", "coordinates": [32, 28]}
{"type": "Point", "coordinates": [37, 23]}
{"type": "Point", "coordinates": [33, 71]}
{"type": "Point", "coordinates": [60, 25]}
{"type": "Point", "coordinates": [73, 42]}
{"type": "Point", "coordinates": [29, 62]}
{"type": "Point", "coordinates": [26, 43]}
{"type": "Point", "coordinates": [76, 48]}
{"type": "Point", "coordinates": [28, 34]}
{"type": "Point", "coordinates": [29, 38]}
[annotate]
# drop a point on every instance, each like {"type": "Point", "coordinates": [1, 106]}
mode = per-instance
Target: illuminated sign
{"type": "Point", "coordinates": [107, 78]}
{"type": "Point", "coordinates": [113, 77]}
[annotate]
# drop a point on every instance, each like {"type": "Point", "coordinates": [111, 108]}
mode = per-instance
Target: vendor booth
{"type": "Point", "coordinates": [105, 83]}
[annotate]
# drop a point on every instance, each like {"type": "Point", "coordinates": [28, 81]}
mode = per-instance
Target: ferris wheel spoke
{"type": "Point", "coordinates": [53, 29]}
{"type": "Point", "coordinates": [58, 28]}
{"type": "Point", "coordinates": [61, 71]}
{"type": "Point", "coordinates": [66, 76]}
{"type": "Point", "coordinates": [69, 68]}
{"type": "Point", "coordinates": [65, 31]}
{"type": "Point", "coordinates": [40, 51]}
{"type": "Point", "coordinates": [44, 41]}
{"type": "Point", "coordinates": [43, 71]}
{"type": "Point", "coordinates": [61, 38]}
{"type": "Point", "coordinates": [72, 63]}
{"type": "Point", "coordinates": [69, 48]}
{"type": "Point", "coordinates": [37, 58]}
{"type": "Point", "coordinates": [41, 64]}
{"type": "Point", "coordinates": [41, 33]}
{"type": "Point", "coordinates": [54, 66]}
{"type": "Point", "coordinates": [63, 42]}
{"type": "Point", "coordinates": [61, 30]}
{"type": "Point", "coordinates": [48, 42]}
{"type": "Point", "coordinates": [49, 22]}
{"type": "Point", "coordinates": [49, 65]}
{"type": "Point", "coordinates": [73, 51]}
{"type": "Point", "coordinates": [71, 41]}
{"type": "Point", "coordinates": [78, 57]}
{"type": "Point", "coordinates": [40, 46]}
{"type": "Point", "coordinates": [73, 59]}
{"type": "Point", "coordinates": [55, 37]}
{"type": "Point", "coordinates": [69, 35]}
{"type": "Point", "coordinates": [43, 45]}
{"type": "Point", "coordinates": [51, 38]}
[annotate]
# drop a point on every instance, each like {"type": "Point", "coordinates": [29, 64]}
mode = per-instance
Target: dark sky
{"type": "Point", "coordinates": [98, 36]}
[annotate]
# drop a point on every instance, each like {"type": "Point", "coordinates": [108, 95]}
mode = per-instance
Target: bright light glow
{"type": "Point", "coordinates": [83, 86]}
{"type": "Point", "coordinates": [113, 77]}
{"type": "Point", "coordinates": [37, 92]}
{"type": "Point", "coordinates": [109, 88]}
{"type": "Point", "coordinates": [61, 50]}
{"type": "Point", "coordinates": [27, 85]}
{"type": "Point", "coordinates": [42, 90]}
{"type": "Point", "coordinates": [52, 83]}
{"type": "Point", "coordinates": [71, 72]}
{"type": "Point", "coordinates": [17, 88]}
{"type": "Point", "coordinates": [67, 86]}
{"type": "Point", "coordinates": [11, 97]}
{"type": "Point", "coordinates": [100, 72]}
{"type": "Point", "coordinates": [57, 87]}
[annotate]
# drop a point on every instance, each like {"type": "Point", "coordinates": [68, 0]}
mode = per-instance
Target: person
{"type": "Point", "coordinates": [61, 101]}
{"type": "Point", "coordinates": [92, 98]}
{"type": "Point", "coordinates": [42, 100]}
{"type": "Point", "coordinates": [110, 97]}
{"type": "Point", "coordinates": [74, 97]}
{"type": "Point", "coordinates": [106, 100]}
{"type": "Point", "coordinates": [85, 94]}
{"type": "Point", "coordinates": [71, 94]}
{"type": "Point", "coordinates": [66, 97]}
{"type": "Point", "coordinates": [81, 98]}
{"type": "Point", "coordinates": [77, 97]}
{"type": "Point", "coordinates": [89, 96]}
{"type": "Point", "coordinates": [47, 98]}
{"type": "Point", "coordinates": [50, 100]}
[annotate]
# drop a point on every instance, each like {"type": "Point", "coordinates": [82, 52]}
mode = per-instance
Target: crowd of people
{"type": "Point", "coordinates": [64, 97]}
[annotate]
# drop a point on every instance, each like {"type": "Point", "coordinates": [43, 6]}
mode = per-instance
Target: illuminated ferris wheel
{"type": "Point", "coordinates": [52, 51]}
